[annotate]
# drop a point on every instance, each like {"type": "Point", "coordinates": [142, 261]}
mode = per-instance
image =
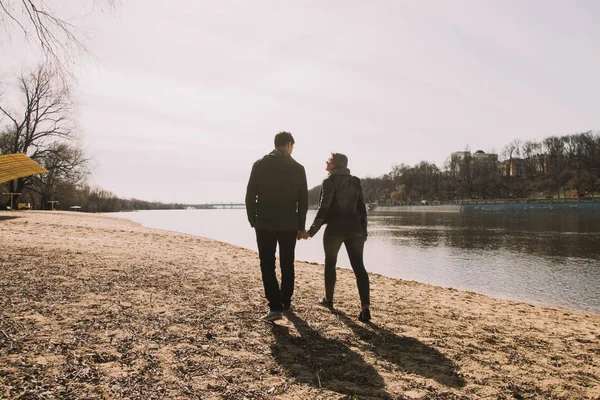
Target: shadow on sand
{"type": "Point", "coordinates": [6, 217]}
{"type": "Point", "coordinates": [407, 353]}
{"type": "Point", "coordinates": [325, 363]}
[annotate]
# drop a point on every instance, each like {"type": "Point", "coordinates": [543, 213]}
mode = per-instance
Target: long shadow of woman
{"type": "Point", "coordinates": [325, 363]}
{"type": "Point", "coordinates": [407, 353]}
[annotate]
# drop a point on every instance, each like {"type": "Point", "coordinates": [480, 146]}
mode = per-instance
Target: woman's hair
{"type": "Point", "coordinates": [339, 160]}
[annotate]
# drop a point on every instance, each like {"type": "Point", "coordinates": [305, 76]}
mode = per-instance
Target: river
{"type": "Point", "coordinates": [545, 259]}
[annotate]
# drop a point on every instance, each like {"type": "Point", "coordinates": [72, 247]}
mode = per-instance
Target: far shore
{"type": "Point", "coordinates": [93, 306]}
{"type": "Point", "coordinates": [472, 206]}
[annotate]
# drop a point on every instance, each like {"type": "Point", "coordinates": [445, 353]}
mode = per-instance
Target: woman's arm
{"type": "Point", "coordinates": [326, 197]}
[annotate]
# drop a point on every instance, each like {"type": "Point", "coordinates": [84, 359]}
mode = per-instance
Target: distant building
{"type": "Point", "coordinates": [525, 166]}
{"type": "Point", "coordinates": [513, 167]}
{"type": "Point", "coordinates": [483, 156]}
{"type": "Point", "coordinates": [460, 156]}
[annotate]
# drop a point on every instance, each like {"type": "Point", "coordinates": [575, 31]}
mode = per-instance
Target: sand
{"type": "Point", "coordinates": [93, 307]}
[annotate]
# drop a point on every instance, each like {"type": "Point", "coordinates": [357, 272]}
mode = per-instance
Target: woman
{"type": "Point", "coordinates": [342, 208]}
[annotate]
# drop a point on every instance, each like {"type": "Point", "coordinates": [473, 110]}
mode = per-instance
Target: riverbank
{"type": "Point", "coordinates": [96, 307]}
{"type": "Point", "coordinates": [542, 205]}
{"type": "Point", "coordinates": [451, 208]}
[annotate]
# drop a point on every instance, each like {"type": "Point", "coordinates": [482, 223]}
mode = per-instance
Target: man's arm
{"type": "Point", "coordinates": [325, 201]}
{"type": "Point", "coordinates": [251, 194]}
{"type": "Point", "coordinates": [302, 202]}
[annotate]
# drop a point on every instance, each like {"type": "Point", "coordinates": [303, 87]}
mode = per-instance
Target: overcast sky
{"type": "Point", "coordinates": [185, 95]}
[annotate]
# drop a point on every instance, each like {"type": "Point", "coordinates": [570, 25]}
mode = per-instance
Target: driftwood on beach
{"type": "Point", "coordinates": [96, 307]}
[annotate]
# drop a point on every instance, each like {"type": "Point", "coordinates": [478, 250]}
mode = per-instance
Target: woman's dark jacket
{"type": "Point", "coordinates": [341, 201]}
{"type": "Point", "coordinates": [277, 193]}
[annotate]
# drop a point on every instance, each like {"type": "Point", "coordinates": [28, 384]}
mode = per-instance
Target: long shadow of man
{"type": "Point", "coordinates": [325, 363]}
{"type": "Point", "coordinates": [407, 353]}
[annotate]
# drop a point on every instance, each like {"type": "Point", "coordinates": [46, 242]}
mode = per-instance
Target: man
{"type": "Point", "coordinates": [276, 203]}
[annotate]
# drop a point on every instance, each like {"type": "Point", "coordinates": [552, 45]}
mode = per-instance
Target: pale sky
{"type": "Point", "coordinates": [185, 95]}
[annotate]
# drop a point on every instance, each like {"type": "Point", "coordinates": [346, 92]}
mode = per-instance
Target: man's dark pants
{"type": "Point", "coordinates": [267, 244]}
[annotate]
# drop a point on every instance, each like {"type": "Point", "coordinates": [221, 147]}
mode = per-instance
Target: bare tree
{"type": "Point", "coordinates": [43, 128]}
{"type": "Point", "coordinates": [582, 163]}
{"type": "Point", "coordinates": [534, 160]}
{"type": "Point", "coordinates": [46, 114]}
{"type": "Point", "coordinates": [512, 151]}
{"type": "Point", "coordinates": [557, 171]}
{"type": "Point", "coordinates": [67, 169]}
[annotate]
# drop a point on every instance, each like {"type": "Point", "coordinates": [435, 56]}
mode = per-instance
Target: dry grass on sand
{"type": "Point", "coordinates": [97, 308]}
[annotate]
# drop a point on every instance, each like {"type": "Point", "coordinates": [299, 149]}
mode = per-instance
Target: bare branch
{"type": "Point", "coordinates": [58, 39]}
{"type": "Point", "coordinates": [7, 114]}
{"type": "Point", "coordinates": [3, 7]}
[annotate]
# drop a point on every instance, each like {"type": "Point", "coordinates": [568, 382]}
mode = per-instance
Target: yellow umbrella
{"type": "Point", "coordinates": [18, 165]}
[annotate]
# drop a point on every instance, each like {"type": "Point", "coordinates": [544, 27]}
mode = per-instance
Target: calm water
{"type": "Point", "coordinates": [551, 259]}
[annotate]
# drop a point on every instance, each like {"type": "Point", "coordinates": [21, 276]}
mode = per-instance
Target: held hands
{"type": "Point", "coordinates": [302, 235]}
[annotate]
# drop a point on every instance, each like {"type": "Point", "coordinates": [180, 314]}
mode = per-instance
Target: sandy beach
{"type": "Point", "coordinates": [93, 307]}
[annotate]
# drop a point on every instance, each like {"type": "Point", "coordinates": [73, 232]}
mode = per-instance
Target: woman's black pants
{"type": "Point", "coordinates": [353, 238]}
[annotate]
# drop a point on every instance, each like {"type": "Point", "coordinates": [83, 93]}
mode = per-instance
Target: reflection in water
{"type": "Point", "coordinates": [551, 259]}
{"type": "Point", "coordinates": [541, 258]}
{"type": "Point", "coordinates": [544, 235]}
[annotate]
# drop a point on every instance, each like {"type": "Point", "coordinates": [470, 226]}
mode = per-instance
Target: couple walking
{"type": "Point", "coordinates": [277, 202]}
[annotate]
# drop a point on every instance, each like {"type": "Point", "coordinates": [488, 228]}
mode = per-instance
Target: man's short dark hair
{"type": "Point", "coordinates": [339, 160]}
{"type": "Point", "coordinates": [283, 138]}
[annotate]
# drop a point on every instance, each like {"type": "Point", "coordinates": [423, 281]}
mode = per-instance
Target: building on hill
{"type": "Point", "coordinates": [478, 155]}
{"type": "Point", "coordinates": [483, 156]}
{"type": "Point", "coordinates": [536, 164]}
{"type": "Point", "coordinates": [457, 158]}
{"type": "Point", "coordinates": [459, 155]}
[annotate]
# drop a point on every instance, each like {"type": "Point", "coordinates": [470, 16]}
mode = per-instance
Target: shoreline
{"type": "Point", "coordinates": [558, 302]}
{"type": "Point", "coordinates": [98, 306]}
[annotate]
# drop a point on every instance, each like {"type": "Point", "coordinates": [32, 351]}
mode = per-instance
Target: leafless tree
{"type": "Point", "coordinates": [43, 129]}
{"type": "Point", "coordinates": [511, 152]}
{"type": "Point", "coordinates": [40, 23]}
{"type": "Point", "coordinates": [534, 157]}
{"type": "Point", "coordinates": [46, 113]}
{"type": "Point", "coordinates": [558, 170]}
{"type": "Point", "coordinates": [67, 169]}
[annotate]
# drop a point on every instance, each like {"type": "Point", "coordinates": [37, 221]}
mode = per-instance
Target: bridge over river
{"type": "Point", "coordinates": [210, 206]}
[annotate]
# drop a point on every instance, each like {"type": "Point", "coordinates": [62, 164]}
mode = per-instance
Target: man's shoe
{"type": "Point", "coordinates": [289, 308]}
{"type": "Point", "coordinates": [272, 316]}
{"type": "Point", "coordinates": [325, 303]}
{"type": "Point", "coordinates": [364, 316]}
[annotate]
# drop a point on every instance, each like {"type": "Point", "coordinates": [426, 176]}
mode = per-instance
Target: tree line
{"type": "Point", "coordinates": [100, 200]}
{"type": "Point", "coordinates": [558, 167]}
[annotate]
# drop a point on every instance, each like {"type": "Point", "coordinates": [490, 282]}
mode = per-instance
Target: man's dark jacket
{"type": "Point", "coordinates": [277, 193]}
{"type": "Point", "coordinates": [341, 201]}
